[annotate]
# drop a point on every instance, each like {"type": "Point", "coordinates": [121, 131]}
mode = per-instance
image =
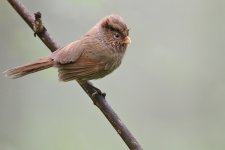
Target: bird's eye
{"type": "Point", "coordinates": [117, 35]}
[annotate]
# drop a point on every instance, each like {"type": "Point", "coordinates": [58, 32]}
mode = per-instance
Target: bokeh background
{"type": "Point", "coordinates": [169, 91]}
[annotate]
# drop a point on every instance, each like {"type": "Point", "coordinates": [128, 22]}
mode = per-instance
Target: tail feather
{"type": "Point", "coordinates": [38, 65]}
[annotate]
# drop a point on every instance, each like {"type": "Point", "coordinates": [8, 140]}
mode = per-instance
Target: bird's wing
{"type": "Point", "coordinates": [84, 69]}
{"type": "Point", "coordinates": [68, 54]}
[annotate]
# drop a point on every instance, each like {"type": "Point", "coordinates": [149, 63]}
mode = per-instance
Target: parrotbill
{"type": "Point", "coordinates": [96, 54]}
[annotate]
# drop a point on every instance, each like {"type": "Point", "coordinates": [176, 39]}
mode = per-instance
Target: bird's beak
{"type": "Point", "coordinates": [127, 40]}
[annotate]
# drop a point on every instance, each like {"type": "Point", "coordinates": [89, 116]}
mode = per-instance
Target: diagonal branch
{"type": "Point", "coordinates": [97, 99]}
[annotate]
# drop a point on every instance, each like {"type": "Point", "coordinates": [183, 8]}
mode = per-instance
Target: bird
{"type": "Point", "coordinates": [94, 55]}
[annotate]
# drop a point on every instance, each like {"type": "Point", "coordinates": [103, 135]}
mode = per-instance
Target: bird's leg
{"type": "Point", "coordinates": [91, 88]}
{"type": "Point", "coordinates": [97, 91]}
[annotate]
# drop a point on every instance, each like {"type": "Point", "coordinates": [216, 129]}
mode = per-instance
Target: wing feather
{"type": "Point", "coordinates": [82, 69]}
{"type": "Point", "coordinates": [68, 54]}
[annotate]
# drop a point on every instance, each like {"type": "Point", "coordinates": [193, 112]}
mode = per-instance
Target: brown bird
{"type": "Point", "coordinates": [94, 55]}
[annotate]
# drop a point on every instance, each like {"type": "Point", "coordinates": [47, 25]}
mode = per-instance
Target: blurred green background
{"type": "Point", "coordinates": [169, 91]}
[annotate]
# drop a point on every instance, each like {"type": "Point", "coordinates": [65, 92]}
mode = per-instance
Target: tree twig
{"type": "Point", "coordinates": [97, 99]}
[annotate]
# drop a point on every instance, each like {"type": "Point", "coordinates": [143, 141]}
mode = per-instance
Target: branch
{"type": "Point", "coordinates": [98, 100]}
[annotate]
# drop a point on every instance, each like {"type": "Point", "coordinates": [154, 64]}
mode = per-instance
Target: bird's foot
{"type": "Point", "coordinates": [98, 92]}
{"type": "Point", "coordinates": [92, 90]}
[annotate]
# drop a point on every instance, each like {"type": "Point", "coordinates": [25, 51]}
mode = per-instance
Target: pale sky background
{"type": "Point", "coordinates": [169, 90]}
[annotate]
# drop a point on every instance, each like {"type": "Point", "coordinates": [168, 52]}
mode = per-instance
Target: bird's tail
{"type": "Point", "coordinates": [38, 65]}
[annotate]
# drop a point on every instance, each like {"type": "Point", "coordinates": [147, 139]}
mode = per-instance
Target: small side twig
{"type": "Point", "coordinates": [97, 99]}
{"type": "Point", "coordinates": [38, 26]}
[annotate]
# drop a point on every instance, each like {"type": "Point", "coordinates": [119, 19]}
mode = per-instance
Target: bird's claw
{"type": "Point", "coordinates": [94, 90]}
{"type": "Point", "coordinates": [98, 92]}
